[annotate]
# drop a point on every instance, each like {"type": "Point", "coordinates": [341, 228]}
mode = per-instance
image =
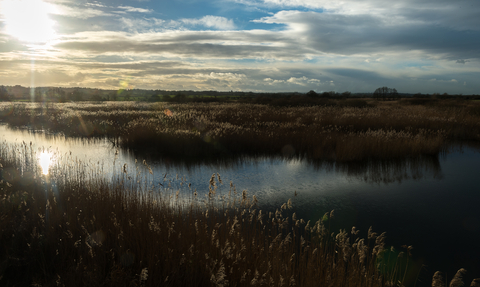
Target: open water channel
{"type": "Point", "coordinates": [431, 203]}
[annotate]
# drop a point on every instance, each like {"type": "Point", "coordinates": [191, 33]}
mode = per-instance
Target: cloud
{"type": "Point", "coordinates": [90, 10]}
{"type": "Point", "coordinates": [196, 50]}
{"type": "Point", "coordinates": [95, 5]}
{"type": "Point", "coordinates": [10, 44]}
{"type": "Point", "coordinates": [146, 67]}
{"type": "Point", "coordinates": [220, 23]}
{"type": "Point", "coordinates": [343, 45]}
{"type": "Point", "coordinates": [112, 82]}
{"type": "Point", "coordinates": [77, 11]}
{"type": "Point", "coordinates": [44, 78]}
{"type": "Point", "coordinates": [302, 81]}
{"type": "Point", "coordinates": [133, 9]}
{"type": "Point", "coordinates": [198, 44]}
{"type": "Point", "coordinates": [366, 34]}
{"type": "Point", "coordinates": [358, 74]}
{"type": "Point", "coordinates": [295, 82]}
{"type": "Point", "coordinates": [159, 25]}
{"type": "Point", "coordinates": [140, 25]}
{"type": "Point", "coordinates": [310, 52]}
{"type": "Point", "coordinates": [444, 81]}
{"type": "Point", "coordinates": [440, 11]}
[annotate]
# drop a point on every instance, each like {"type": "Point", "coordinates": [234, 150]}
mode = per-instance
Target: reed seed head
{"type": "Point", "coordinates": [457, 280]}
{"type": "Point", "coordinates": [437, 280]}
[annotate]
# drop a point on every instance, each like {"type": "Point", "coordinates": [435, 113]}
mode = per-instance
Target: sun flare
{"type": "Point", "coordinates": [45, 159]}
{"type": "Point", "coordinates": [28, 20]}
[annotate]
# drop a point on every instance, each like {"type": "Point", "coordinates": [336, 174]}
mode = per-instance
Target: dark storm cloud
{"type": "Point", "coordinates": [369, 34]}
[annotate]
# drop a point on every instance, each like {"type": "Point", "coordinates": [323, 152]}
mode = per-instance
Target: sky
{"type": "Point", "coordinates": [415, 46]}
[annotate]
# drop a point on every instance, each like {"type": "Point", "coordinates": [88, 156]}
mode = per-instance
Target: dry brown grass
{"type": "Point", "coordinates": [380, 130]}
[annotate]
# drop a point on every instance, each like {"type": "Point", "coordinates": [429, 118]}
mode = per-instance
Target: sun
{"type": "Point", "coordinates": [28, 20]}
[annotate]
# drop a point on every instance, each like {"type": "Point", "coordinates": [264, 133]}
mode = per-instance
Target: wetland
{"type": "Point", "coordinates": [407, 170]}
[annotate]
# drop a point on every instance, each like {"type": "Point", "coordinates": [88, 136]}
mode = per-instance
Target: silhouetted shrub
{"type": "Point", "coordinates": [166, 98]}
{"type": "Point", "coordinates": [155, 98]}
{"type": "Point", "coordinates": [354, 103]}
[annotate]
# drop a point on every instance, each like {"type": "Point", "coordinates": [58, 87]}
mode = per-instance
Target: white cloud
{"type": "Point", "coordinates": [444, 81]}
{"type": "Point", "coordinates": [160, 25]}
{"type": "Point", "coordinates": [96, 4]}
{"type": "Point", "coordinates": [229, 76]}
{"type": "Point", "coordinates": [300, 81]}
{"type": "Point", "coordinates": [78, 12]}
{"type": "Point", "coordinates": [134, 9]}
{"type": "Point", "coordinates": [217, 22]}
{"type": "Point", "coordinates": [147, 24]}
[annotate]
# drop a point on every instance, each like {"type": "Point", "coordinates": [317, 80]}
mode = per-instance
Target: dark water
{"type": "Point", "coordinates": [431, 202]}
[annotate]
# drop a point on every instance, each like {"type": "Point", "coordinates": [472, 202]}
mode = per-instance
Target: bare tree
{"type": "Point", "coordinates": [385, 93]}
{"type": "Point", "coordinates": [346, 94]}
{"type": "Point", "coordinates": [312, 94]}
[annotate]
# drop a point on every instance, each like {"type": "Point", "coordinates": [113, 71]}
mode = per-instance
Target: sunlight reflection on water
{"type": "Point", "coordinates": [45, 159]}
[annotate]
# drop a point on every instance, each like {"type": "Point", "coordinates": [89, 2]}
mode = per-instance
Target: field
{"type": "Point", "coordinates": [348, 130]}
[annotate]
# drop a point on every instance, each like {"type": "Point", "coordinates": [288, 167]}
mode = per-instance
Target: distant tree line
{"type": "Point", "coordinates": [61, 94]}
{"type": "Point", "coordinates": [385, 93]}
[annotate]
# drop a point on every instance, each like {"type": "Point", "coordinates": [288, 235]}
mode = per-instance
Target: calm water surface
{"type": "Point", "coordinates": [432, 203]}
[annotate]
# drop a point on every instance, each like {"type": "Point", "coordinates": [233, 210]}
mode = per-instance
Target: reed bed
{"type": "Point", "coordinates": [73, 227]}
{"type": "Point", "coordinates": [379, 130]}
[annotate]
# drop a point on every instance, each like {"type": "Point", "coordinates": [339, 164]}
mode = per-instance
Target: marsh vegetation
{"type": "Point", "coordinates": [74, 227]}
{"type": "Point", "coordinates": [334, 131]}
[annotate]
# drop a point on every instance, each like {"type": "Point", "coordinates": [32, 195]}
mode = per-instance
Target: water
{"type": "Point", "coordinates": [429, 202]}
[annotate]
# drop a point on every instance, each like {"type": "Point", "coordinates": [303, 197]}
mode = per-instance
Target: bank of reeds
{"type": "Point", "coordinates": [379, 130]}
